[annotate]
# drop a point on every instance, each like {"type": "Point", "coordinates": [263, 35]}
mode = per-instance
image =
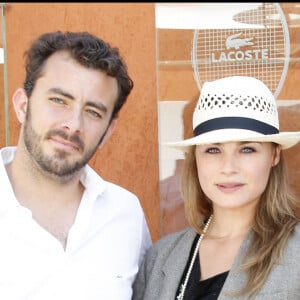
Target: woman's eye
{"type": "Point", "coordinates": [212, 150]}
{"type": "Point", "coordinates": [248, 150]}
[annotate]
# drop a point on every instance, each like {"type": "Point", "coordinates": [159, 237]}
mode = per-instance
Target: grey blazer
{"type": "Point", "coordinates": [163, 265]}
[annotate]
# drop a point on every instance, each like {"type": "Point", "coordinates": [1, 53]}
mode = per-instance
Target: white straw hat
{"type": "Point", "coordinates": [236, 108]}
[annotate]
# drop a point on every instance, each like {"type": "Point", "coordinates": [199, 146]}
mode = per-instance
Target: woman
{"type": "Point", "coordinates": [244, 240]}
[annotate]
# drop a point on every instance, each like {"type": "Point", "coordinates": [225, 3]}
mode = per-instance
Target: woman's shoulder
{"type": "Point", "coordinates": [167, 243]}
{"type": "Point", "coordinates": [296, 233]}
{"type": "Point", "coordinates": [293, 245]}
{"type": "Point", "coordinates": [173, 237]}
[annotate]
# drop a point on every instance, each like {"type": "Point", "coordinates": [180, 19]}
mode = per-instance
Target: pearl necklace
{"type": "Point", "coordinates": [184, 285]}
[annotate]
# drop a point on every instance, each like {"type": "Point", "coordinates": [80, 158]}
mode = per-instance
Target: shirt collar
{"type": "Point", "coordinates": [93, 183]}
{"type": "Point", "coordinates": [8, 199]}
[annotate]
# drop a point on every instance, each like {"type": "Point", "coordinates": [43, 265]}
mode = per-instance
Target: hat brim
{"type": "Point", "coordinates": [285, 139]}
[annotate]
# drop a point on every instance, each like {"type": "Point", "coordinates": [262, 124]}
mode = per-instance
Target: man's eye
{"type": "Point", "coordinates": [94, 113]}
{"type": "Point", "coordinates": [57, 100]}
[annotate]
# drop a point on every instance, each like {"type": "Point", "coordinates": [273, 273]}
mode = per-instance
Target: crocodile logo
{"type": "Point", "coordinates": [234, 42]}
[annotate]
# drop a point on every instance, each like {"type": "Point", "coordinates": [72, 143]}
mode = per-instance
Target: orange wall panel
{"type": "Point", "coordinates": [130, 157]}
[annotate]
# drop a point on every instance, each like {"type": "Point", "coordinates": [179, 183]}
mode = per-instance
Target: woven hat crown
{"type": "Point", "coordinates": [244, 99]}
{"type": "Point", "coordinates": [235, 109]}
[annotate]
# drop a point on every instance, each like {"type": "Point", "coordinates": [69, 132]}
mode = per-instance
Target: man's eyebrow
{"type": "Point", "coordinates": [61, 92]}
{"type": "Point", "coordinates": [95, 104]}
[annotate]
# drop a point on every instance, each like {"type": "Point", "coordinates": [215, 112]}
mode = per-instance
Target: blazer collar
{"type": "Point", "coordinates": [177, 260]}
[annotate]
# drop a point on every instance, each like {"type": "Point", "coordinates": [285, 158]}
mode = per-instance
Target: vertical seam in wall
{"type": "Point", "coordinates": [6, 103]}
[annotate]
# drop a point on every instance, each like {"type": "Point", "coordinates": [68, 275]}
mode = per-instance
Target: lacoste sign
{"type": "Point", "coordinates": [237, 43]}
{"type": "Point", "coordinates": [256, 43]}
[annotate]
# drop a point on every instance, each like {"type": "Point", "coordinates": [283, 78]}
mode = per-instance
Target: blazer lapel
{"type": "Point", "coordinates": [175, 265]}
{"type": "Point", "coordinates": [236, 278]}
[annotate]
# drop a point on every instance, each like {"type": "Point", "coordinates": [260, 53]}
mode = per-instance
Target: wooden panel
{"type": "Point", "coordinates": [2, 108]}
{"type": "Point", "coordinates": [130, 158]}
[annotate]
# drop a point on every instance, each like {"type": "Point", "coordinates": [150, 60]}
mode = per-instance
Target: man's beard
{"type": "Point", "coordinates": [56, 164]}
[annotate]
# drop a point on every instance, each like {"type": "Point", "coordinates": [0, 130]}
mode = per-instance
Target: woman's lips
{"type": "Point", "coordinates": [229, 187]}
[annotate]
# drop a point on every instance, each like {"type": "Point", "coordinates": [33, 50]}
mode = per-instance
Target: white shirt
{"type": "Point", "coordinates": [104, 249]}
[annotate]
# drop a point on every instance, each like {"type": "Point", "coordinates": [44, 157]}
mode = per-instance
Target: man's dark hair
{"type": "Point", "coordinates": [88, 50]}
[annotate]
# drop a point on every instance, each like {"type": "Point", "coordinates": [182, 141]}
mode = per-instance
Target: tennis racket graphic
{"type": "Point", "coordinates": [256, 44]}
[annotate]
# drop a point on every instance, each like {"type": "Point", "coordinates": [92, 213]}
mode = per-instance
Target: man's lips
{"type": "Point", "coordinates": [62, 143]}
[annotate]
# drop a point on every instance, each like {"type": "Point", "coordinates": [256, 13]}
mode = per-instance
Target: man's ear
{"type": "Point", "coordinates": [20, 102]}
{"type": "Point", "coordinates": [109, 131]}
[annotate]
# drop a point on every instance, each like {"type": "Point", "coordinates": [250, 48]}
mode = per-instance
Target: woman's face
{"type": "Point", "coordinates": [233, 175]}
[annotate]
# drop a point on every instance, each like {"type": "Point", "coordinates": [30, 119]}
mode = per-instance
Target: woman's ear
{"type": "Point", "coordinates": [20, 102]}
{"type": "Point", "coordinates": [276, 156]}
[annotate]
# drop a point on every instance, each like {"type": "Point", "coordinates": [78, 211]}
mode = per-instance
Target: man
{"type": "Point", "coordinates": [65, 232]}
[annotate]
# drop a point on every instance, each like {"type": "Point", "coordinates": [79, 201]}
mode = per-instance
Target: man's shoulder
{"type": "Point", "coordinates": [116, 188]}
{"type": "Point", "coordinates": [94, 178]}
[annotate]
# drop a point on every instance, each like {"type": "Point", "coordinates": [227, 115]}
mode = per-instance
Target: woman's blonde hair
{"type": "Point", "coordinates": [274, 221]}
